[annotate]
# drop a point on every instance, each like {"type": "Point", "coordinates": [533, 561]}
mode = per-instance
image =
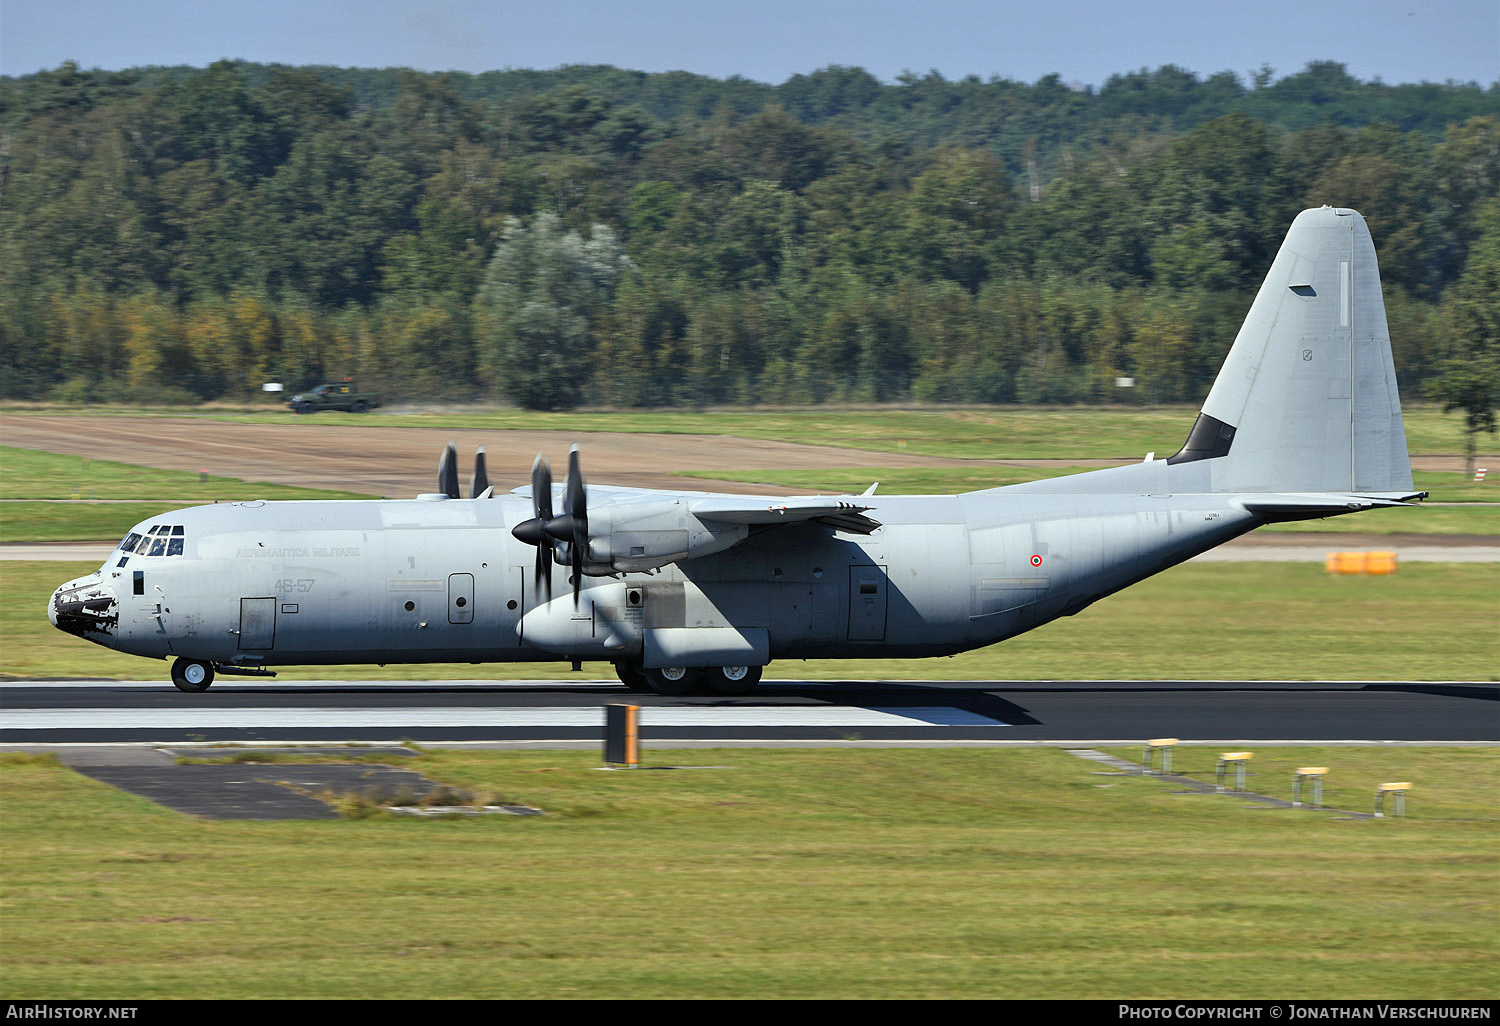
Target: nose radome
{"type": "Point", "coordinates": [85, 606]}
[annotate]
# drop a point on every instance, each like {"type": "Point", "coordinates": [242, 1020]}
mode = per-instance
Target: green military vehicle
{"type": "Point", "coordinates": [336, 395]}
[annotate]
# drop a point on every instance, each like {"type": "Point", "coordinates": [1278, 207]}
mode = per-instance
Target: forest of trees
{"type": "Point", "coordinates": [597, 236]}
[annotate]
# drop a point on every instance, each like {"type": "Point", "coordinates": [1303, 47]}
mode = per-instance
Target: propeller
{"type": "Point", "coordinates": [573, 526]}
{"type": "Point", "coordinates": [547, 532]}
{"type": "Point", "coordinates": [534, 531]}
{"type": "Point", "coordinates": [448, 471]}
{"type": "Point", "coordinates": [480, 482]}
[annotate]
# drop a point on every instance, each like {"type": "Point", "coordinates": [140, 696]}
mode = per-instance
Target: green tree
{"type": "Point", "coordinates": [1469, 376]}
{"type": "Point", "coordinates": [536, 309]}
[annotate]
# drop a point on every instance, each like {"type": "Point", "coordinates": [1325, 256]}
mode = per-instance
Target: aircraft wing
{"type": "Point", "coordinates": [840, 513]}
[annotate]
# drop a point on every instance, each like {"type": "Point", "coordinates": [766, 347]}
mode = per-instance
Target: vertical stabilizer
{"type": "Point", "coordinates": [1306, 400]}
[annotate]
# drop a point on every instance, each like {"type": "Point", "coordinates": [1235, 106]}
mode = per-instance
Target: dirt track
{"type": "Point", "coordinates": [401, 462]}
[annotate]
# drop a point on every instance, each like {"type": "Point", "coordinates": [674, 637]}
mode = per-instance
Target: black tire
{"type": "Point", "coordinates": [360, 407]}
{"type": "Point", "coordinates": [673, 680]}
{"type": "Point", "coordinates": [731, 680]}
{"type": "Point", "coordinates": [305, 407]}
{"type": "Point", "coordinates": [192, 675]}
{"type": "Point", "coordinates": [632, 678]}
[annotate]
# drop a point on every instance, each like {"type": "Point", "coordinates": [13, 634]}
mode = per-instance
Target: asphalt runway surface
{"type": "Point", "coordinates": [781, 712]}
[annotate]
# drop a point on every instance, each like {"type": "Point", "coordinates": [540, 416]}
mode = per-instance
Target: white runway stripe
{"type": "Point", "coordinates": [193, 719]}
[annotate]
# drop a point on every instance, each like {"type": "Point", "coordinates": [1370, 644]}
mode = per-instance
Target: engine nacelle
{"type": "Point", "coordinates": [637, 536]}
{"type": "Point", "coordinates": [609, 623]}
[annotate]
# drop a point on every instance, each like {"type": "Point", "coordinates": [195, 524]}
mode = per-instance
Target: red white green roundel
{"type": "Point", "coordinates": [1036, 560]}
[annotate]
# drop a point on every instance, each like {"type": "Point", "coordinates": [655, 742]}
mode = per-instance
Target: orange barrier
{"type": "Point", "coordinates": [1361, 563]}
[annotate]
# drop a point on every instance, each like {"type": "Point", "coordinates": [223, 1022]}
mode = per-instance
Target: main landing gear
{"type": "Point", "coordinates": [687, 680]}
{"type": "Point", "coordinates": [192, 674]}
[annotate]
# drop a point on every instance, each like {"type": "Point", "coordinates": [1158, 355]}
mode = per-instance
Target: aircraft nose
{"type": "Point", "coordinates": [85, 606]}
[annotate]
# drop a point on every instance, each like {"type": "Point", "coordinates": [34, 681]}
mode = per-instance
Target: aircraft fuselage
{"type": "Point", "coordinates": [286, 583]}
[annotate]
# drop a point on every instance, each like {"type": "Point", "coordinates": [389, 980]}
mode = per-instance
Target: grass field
{"type": "Point", "coordinates": [766, 874]}
{"type": "Point", "coordinates": [970, 432]}
{"type": "Point", "coordinates": [797, 874]}
{"type": "Point", "coordinates": [1208, 621]}
{"type": "Point", "coordinates": [32, 482]}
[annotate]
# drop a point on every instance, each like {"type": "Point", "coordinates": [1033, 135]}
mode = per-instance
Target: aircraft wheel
{"type": "Point", "coordinates": [673, 680]}
{"type": "Point", "coordinates": [192, 675]}
{"type": "Point", "coordinates": [732, 680]}
{"type": "Point", "coordinates": [632, 678]}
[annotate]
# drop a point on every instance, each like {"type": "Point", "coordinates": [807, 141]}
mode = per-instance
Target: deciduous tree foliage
{"type": "Point", "coordinates": [596, 235]}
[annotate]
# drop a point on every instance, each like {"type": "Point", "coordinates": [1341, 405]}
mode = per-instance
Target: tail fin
{"type": "Point", "coordinates": [1306, 400]}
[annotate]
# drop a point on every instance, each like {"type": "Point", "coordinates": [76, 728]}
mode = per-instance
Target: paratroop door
{"type": "Point", "coordinates": [257, 623]}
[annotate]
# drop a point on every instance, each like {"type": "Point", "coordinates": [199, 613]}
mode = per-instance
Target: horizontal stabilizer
{"type": "Point", "coordinates": [1280, 508]}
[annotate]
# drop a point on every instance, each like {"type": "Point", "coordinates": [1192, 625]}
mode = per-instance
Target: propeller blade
{"type": "Point", "coordinates": [448, 471]}
{"type": "Point", "coordinates": [575, 520]}
{"type": "Point", "coordinates": [481, 480]}
{"type": "Point", "coordinates": [534, 531]}
{"type": "Point", "coordinates": [541, 488]}
{"type": "Point", "coordinates": [543, 570]}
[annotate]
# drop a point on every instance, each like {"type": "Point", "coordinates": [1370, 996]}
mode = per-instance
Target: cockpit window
{"type": "Point", "coordinates": [131, 541]}
{"type": "Point", "coordinates": [161, 540]}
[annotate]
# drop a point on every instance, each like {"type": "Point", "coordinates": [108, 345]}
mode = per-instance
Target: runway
{"type": "Point", "coordinates": [781, 712]}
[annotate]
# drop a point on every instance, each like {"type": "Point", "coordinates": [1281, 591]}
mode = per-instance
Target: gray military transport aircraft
{"type": "Point", "coordinates": [691, 590]}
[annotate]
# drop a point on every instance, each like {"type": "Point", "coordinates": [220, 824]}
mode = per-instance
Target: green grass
{"type": "Point", "coordinates": [1468, 519]}
{"type": "Point", "coordinates": [778, 874]}
{"type": "Point", "coordinates": [81, 521]}
{"type": "Point", "coordinates": [1273, 621]}
{"type": "Point", "coordinates": [36, 474]}
{"type": "Point", "coordinates": [1447, 783]}
{"type": "Point", "coordinates": [971, 432]}
{"type": "Point", "coordinates": [38, 479]}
